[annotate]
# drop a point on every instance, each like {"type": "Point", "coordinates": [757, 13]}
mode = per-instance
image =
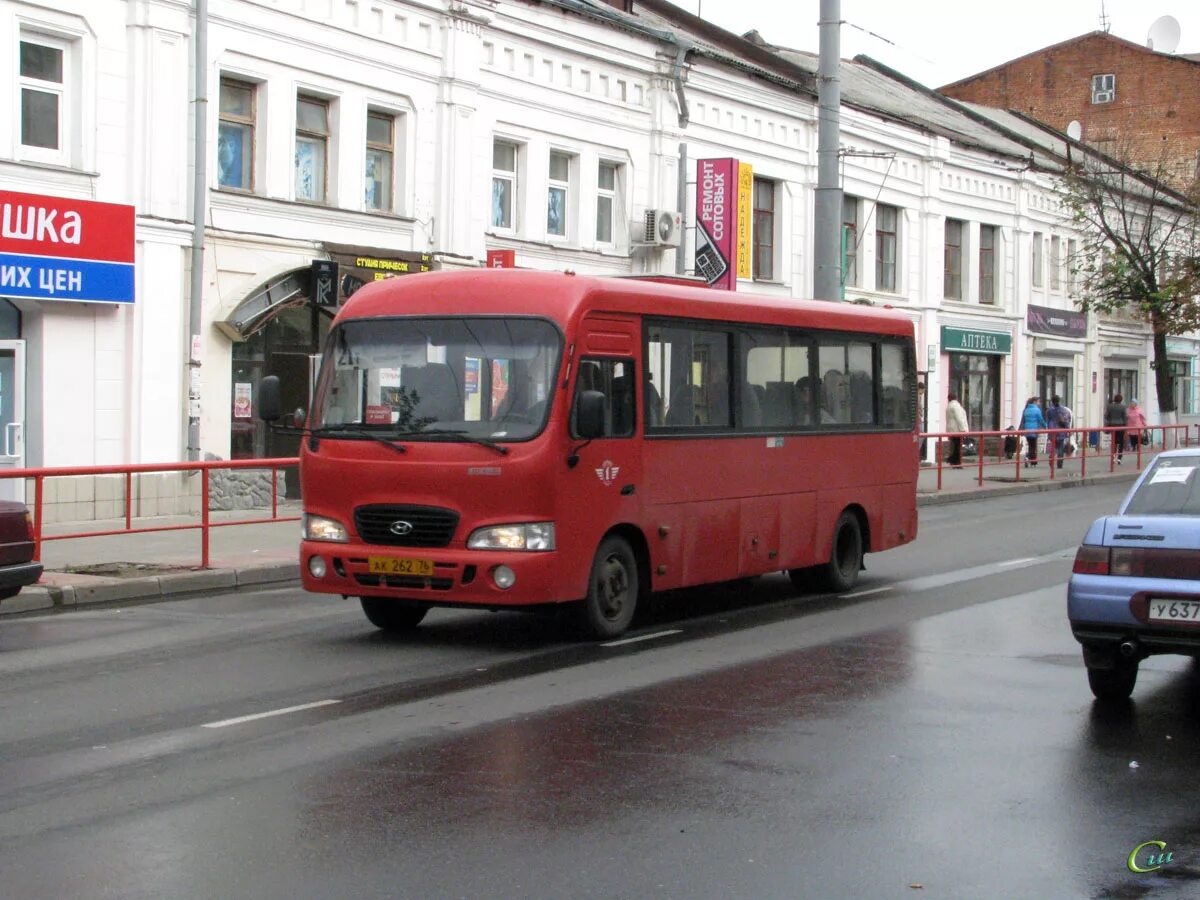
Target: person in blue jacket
{"type": "Point", "coordinates": [1031, 420]}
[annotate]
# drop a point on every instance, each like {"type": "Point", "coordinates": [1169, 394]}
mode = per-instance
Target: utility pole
{"type": "Point", "coordinates": [827, 247]}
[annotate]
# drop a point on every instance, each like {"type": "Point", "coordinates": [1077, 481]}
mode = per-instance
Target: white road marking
{"type": "Point", "coordinates": [1017, 562]}
{"type": "Point", "coordinates": [266, 715]}
{"type": "Point", "coordinates": [886, 587]}
{"type": "Point", "coordinates": [643, 637]}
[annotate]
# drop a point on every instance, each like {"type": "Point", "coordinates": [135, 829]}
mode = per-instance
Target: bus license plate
{"type": "Point", "coordinates": [387, 565]}
{"type": "Point", "coordinates": [1174, 610]}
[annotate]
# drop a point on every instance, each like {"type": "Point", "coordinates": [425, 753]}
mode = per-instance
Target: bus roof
{"type": "Point", "coordinates": [561, 296]}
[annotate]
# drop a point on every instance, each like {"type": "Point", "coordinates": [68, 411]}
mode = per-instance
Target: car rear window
{"type": "Point", "coordinates": [1169, 489]}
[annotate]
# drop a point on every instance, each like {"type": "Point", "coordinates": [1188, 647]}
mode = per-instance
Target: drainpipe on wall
{"type": "Point", "coordinates": [199, 197]}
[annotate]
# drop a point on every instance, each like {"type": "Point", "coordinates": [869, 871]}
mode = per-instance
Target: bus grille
{"type": "Point", "coordinates": [409, 582]}
{"type": "Point", "coordinates": [428, 526]}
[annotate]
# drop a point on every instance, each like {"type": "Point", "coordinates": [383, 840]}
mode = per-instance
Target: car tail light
{"type": "Point", "coordinates": [28, 525]}
{"type": "Point", "coordinates": [1091, 560]}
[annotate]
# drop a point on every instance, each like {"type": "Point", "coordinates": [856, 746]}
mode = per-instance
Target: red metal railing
{"type": "Point", "coordinates": [1161, 437]}
{"type": "Point", "coordinates": [205, 525]}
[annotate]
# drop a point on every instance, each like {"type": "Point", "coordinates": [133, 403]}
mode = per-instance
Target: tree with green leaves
{"type": "Point", "coordinates": [1139, 250]}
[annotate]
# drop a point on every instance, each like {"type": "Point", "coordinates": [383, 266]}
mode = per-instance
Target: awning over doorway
{"type": "Point", "coordinates": [290, 289]}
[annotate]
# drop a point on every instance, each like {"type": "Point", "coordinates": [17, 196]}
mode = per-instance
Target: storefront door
{"type": "Point", "coordinates": [12, 416]}
{"type": "Point", "coordinates": [975, 377]}
{"type": "Point", "coordinates": [1054, 381]}
{"type": "Point", "coordinates": [1120, 381]}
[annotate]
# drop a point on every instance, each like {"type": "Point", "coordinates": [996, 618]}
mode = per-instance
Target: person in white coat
{"type": "Point", "coordinates": [956, 422]}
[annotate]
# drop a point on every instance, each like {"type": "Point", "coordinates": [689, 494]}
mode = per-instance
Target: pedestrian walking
{"type": "Point", "coordinates": [956, 422]}
{"type": "Point", "coordinates": [1032, 419]}
{"type": "Point", "coordinates": [1135, 424]}
{"type": "Point", "coordinates": [1114, 417]}
{"type": "Point", "coordinates": [1058, 416]}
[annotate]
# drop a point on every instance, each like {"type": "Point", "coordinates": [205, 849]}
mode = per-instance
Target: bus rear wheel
{"type": "Point", "coordinates": [393, 615]}
{"type": "Point", "coordinates": [845, 559]}
{"type": "Point", "coordinates": [612, 590]}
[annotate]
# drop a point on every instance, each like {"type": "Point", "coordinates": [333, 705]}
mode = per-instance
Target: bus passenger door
{"type": "Point", "coordinates": [603, 488]}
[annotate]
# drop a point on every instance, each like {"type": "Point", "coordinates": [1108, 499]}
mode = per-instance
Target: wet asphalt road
{"type": "Point", "coordinates": [931, 734]}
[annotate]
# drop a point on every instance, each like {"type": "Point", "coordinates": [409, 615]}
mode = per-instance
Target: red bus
{"type": "Point", "coordinates": [507, 438]}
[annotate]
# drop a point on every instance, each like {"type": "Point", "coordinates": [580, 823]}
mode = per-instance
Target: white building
{"type": "Point", "coordinates": [391, 136]}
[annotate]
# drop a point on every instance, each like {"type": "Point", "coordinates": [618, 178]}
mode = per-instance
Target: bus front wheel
{"type": "Point", "coordinates": [612, 590]}
{"type": "Point", "coordinates": [845, 559]}
{"type": "Point", "coordinates": [393, 615]}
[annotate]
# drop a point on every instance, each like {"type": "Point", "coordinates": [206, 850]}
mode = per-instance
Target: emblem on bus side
{"type": "Point", "coordinates": [607, 473]}
{"type": "Point", "coordinates": [400, 528]}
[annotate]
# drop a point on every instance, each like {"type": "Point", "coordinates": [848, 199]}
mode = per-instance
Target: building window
{"type": "Point", "coordinates": [849, 241]}
{"type": "Point", "coordinates": [380, 164]}
{"type": "Point", "coordinates": [1055, 263]}
{"type": "Point", "coordinates": [312, 146]}
{"type": "Point", "coordinates": [987, 263]}
{"type": "Point", "coordinates": [887, 220]}
{"type": "Point", "coordinates": [606, 202]}
{"type": "Point", "coordinates": [43, 96]}
{"type": "Point", "coordinates": [1037, 259]}
{"type": "Point", "coordinates": [953, 259]}
{"type": "Point", "coordinates": [235, 136]}
{"type": "Point", "coordinates": [1072, 265]}
{"type": "Point", "coordinates": [764, 229]}
{"type": "Point", "coordinates": [504, 184]}
{"type": "Point", "coordinates": [1104, 88]}
{"type": "Point", "coordinates": [558, 194]}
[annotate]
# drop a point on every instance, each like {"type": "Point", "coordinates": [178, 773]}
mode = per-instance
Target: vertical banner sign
{"type": "Point", "coordinates": [323, 283]}
{"type": "Point", "coordinates": [716, 211]}
{"type": "Point", "coordinates": [745, 218]}
{"type": "Point", "coordinates": [52, 248]}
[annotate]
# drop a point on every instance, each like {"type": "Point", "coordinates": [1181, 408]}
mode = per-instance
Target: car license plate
{"type": "Point", "coordinates": [1174, 610]}
{"type": "Point", "coordinates": [388, 565]}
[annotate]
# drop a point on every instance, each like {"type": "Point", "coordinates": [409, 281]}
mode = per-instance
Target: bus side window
{"type": "Point", "coordinates": [614, 379]}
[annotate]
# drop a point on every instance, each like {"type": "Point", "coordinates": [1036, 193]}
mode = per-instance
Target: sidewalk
{"type": "Point", "coordinates": [141, 568]}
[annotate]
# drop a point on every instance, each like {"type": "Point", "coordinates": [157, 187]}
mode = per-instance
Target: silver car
{"type": "Point", "coordinates": [1135, 586]}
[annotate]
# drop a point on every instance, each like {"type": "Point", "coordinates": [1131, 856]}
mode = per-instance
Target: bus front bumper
{"type": "Point", "coordinates": [445, 576]}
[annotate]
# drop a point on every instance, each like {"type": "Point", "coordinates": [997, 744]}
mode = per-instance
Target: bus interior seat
{"type": "Point", "coordinates": [682, 410]}
{"type": "Point", "coordinates": [752, 410]}
{"type": "Point", "coordinates": [778, 408]}
{"type": "Point", "coordinates": [436, 388]}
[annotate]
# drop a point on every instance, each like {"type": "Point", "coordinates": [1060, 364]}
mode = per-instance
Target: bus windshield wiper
{"type": "Point", "coordinates": [359, 431]}
{"type": "Point", "coordinates": [456, 433]}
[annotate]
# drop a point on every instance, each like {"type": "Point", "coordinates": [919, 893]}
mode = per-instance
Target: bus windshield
{"type": "Point", "coordinates": [438, 379]}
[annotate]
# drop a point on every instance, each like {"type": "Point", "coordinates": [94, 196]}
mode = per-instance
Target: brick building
{"type": "Point", "coordinates": [1133, 103]}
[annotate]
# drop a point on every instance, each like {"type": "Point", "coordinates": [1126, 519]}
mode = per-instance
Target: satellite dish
{"type": "Point", "coordinates": [1074, 130]}
{"type": "Point", "coordinates": [1164, 34]}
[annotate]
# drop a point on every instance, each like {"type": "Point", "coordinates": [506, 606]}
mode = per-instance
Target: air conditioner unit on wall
{"type": "Point", "coordinates": [664, 228]}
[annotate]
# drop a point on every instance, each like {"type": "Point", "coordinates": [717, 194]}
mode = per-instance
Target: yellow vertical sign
{"type": "Point", "coordinates": [745, 208]}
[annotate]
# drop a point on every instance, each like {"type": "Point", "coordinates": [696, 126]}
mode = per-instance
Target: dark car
{"type": "Point", "coordinates": [17, 567]}
{"type": "Point", "coordinates": [1135, 585]}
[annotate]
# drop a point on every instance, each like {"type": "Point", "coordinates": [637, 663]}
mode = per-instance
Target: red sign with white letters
{"type": "Point", "coordinates": [55, 226]}
{"type": "Point", "coordinates": [56, 248]}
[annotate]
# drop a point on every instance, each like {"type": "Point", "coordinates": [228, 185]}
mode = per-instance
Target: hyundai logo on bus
{"type": "Point", "coordinates": [53, 248]}
{"type": "Point", "coordinates": [400, 528]}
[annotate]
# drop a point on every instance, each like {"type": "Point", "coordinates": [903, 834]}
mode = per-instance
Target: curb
{"type": "Point", "coordinates": [1024, 487]}
{"type": "Point", "coordinates": [45, 597]}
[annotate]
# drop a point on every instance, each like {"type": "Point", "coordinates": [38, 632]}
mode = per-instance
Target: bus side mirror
{"type": "Point", "coordinates": [269, 401]}
{"type": "Point", "coordinates": [589, 415]}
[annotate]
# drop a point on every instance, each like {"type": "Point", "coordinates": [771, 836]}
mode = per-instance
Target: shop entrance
{"type": "Point", "coordinates": [288, 346]}
{"type": "Point", "coordinates": [12, 416]}
{"type": "Point", "coordinates": [1054, 381]}
{"type": "Point", "coordinates": [976, 379]}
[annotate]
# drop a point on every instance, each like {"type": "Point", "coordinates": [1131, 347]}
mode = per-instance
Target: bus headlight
{"type": "Point", "coordinates": [319, 528]}
{"type": "Point", "coordinates": [531, 536]}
